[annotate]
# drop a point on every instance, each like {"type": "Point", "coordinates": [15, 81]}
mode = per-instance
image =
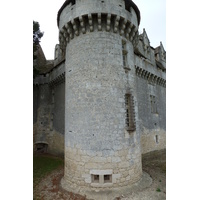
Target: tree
{"type": "Point", "coordinates": [37, 35]}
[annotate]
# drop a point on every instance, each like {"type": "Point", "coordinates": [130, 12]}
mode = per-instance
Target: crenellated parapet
{"type": "Point", "coordinates": [96, 22]}
{"type": "Point", "coordinates": [150, 77]}
{"type": "Point", "coordinates": [81, 17]}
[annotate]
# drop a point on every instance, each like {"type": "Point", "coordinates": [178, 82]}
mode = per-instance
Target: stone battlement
{"type": "Point", "coordinates": [76, 19]}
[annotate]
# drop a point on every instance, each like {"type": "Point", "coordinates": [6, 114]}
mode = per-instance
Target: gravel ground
{"type": "Point", "coordinates": [154, 164]}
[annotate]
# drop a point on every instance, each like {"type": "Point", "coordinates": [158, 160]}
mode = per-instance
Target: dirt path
{"type": "Point", "coordinates": [153, 163]}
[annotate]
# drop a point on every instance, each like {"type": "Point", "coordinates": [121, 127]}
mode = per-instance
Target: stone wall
{"type": "Point", "coordinates": [49, 117]}
{"type": "Point", "coordinates": [35, 103]}
{"type": "Point", "coordinates": [96, 139]}
{"type": "Point", "coordinates": [59, 108]}
{"type": "Point", "coordinates": [107, 96]}
{"type": "Point", "coordinates": [152, 114]}
{"type": "Point", "coordinates": [100, 152]}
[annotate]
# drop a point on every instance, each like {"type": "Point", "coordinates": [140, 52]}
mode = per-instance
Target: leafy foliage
{"type": "Point", "coordinates": [37, 35]}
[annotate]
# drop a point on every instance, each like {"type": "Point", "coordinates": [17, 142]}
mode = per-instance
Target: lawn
{"type": "Point", "coordinates": [43, 165]}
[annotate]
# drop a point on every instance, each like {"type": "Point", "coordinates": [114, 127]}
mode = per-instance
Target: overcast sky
{"type": "Point", "coordinates": [153, 19]}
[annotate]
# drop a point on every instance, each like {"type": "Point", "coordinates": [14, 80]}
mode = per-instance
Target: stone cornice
{"type": "Point", "coordinates": [96, 22]}
{"type": "Point", "coordinates": [150, 77]}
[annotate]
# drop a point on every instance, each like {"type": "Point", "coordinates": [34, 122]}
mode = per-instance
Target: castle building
{"type": "Point", "coordinates": [102, 102]}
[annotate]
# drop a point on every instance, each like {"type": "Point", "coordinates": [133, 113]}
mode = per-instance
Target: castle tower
{"type": "Point", "coordinates": [102, 138]}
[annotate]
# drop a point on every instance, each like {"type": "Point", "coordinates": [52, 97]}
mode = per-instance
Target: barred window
{"type": "Point", "coordinates": [95, 178]}
{"type": "Point", "coordinates": [130, 114]}
{"type": "Point", "coordinates": [107, 178]}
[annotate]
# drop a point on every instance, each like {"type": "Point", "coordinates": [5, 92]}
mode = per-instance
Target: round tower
{"type": "Point", "coordinates": [102, 140]}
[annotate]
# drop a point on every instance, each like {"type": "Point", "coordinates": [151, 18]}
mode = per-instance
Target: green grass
{"type": "Point", "coordinates": [43, 165]}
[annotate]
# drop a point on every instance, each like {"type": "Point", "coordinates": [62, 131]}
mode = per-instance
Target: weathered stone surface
{"type": "Point", "coordinates": [83, 97]}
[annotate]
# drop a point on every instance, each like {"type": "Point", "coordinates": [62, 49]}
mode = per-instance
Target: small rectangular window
{"type": "Point", "coordinates": [153, 104]}
{"type": "Point", "coordinates": [95, 178]}
{"type": "Point", "coordinates": [107, 178]}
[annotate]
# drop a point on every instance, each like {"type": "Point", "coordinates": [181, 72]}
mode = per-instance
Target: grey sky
{"type": "Point", "coordinates": [153, 19]}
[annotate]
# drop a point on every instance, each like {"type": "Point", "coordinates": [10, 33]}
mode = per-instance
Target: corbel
{"type": "Point", "coordinates": [99, 22]}
{"type": "Point", "coordinates": [144, 73]}
{"type": "Point", "coordinates": [75, 27]}
{"type": "Point", "coordinates": [82, 23]}
{"type": "Point", "coordinates": [123, 26]}
{"type": "Point", "coordinates": [116, 24]}
{"type": "Point", "coordinates": [69, 30]}
{"type": "Point", "coordinates": [132, 33]}
{"type": "Point", "coordinates": [140, 72]}
{"type": "Point", "coordinates": [108, 22]}
{"type": "Point", "coordinates": [90, 22]}
{"type": "Point", "coordinates": [128, 31]}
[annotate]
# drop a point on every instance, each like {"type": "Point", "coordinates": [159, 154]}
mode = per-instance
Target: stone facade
{"type": "Point", "coordinates": [103, 103]}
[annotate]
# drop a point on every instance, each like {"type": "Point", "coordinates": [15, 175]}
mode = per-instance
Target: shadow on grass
{"type": "Point", "coordinates": [155, 160]}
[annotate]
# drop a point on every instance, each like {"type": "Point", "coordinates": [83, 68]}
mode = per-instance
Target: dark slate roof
{"type": "Point", "coordinates": [128, 4]}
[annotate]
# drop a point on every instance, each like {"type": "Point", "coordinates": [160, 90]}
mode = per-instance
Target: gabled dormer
{"type": "Point", "coordinates": [160, 53]}
{"type": "Point", "coordinates": [58, 55]}
{"type": "Point", "coordinates": [145, 41]}
{"type": "Point", "coordinates": [143, 47]}
{"type": "Point", "coordinates": [160, 56]}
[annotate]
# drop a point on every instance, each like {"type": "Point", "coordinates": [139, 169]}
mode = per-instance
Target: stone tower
{"type": "Point", "coordinates": [102, 138]}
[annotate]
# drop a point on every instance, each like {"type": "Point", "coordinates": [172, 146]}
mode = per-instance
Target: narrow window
{"type": "Point", "coordinates": [130, 117]}
{"type": "Point", "coordinates": [153, 104]}
{"type": "Point", "coordinates": [124, 53]}
{"type": "Point", "coordinates": [107, 178]}
{"type": "Point", "coordinates": [52, 99]}
{"type": "Point", "coordinates": [127, 104]}
{"type": "Point", "coordinates": [156, 139]}
{"type": "Point", "coordinates": [151, 100]}
{"type": "Point", "coordinates": [95, 178]}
